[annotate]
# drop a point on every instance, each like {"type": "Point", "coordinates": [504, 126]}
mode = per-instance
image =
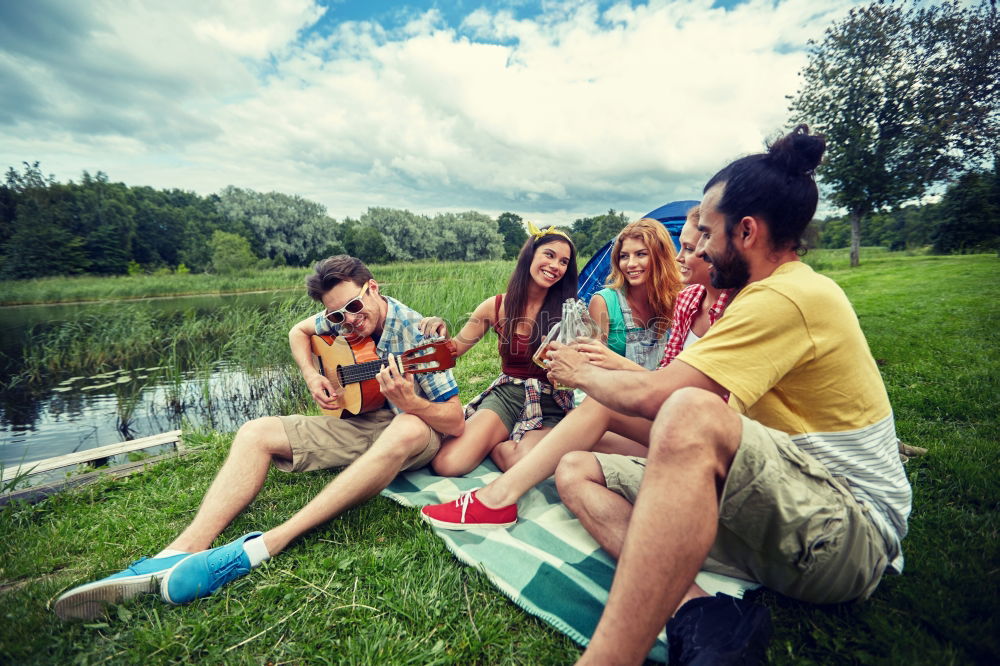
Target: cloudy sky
{"type": "Point", "coordinates": [553, 109]}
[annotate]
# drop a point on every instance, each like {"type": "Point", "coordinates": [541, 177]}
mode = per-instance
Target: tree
{"type": "Point", "coordinates": [591, 233]}
{"type": "Point", "coordinates": [407, 236]}
{"type": "Point", "coordinates": [511, 227]}
{"type": "Point", "coordinates": [468, 236]}
{"type": "Point", "coordinates": [907, 96]}
{"type": "Point", "coordinates": [231, 253]}
{"type": "Point", "coordinates": [365, 243]}
{"type": "Point", "coordinates": [971, 211]}
{"type": "Point", "coordinates": [281, 227]}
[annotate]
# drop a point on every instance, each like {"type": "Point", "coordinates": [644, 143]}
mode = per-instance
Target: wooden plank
{"type": "Point", "coordinates": [80, 457]}
{"type": "Point", "coordinates": [38, 493]}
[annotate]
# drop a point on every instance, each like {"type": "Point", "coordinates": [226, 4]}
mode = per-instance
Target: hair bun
{"type": "Point", "coordinates": [798, 152]}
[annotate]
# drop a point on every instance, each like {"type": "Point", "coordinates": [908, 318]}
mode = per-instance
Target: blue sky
{"type": "Point", "coordinates": [553, 110]}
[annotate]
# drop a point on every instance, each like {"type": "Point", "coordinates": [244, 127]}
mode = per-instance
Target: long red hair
{"type": "Point", "coordinates": [664, 279]}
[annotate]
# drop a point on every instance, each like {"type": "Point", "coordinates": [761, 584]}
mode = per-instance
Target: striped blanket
{"type": "Point", "coordinates": [547, 563]}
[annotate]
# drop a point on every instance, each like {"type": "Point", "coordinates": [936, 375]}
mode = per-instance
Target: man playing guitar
{"type": "Point", "coordinates": [373, 447]}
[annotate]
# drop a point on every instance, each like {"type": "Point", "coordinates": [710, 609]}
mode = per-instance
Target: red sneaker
{"type": "Point", "coordinates": [466, 513]}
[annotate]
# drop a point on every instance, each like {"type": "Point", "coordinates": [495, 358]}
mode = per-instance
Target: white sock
{"type": "Point", "coordinates": [256, 551]}
{"type": "Point", "coordinates": [168, 552]}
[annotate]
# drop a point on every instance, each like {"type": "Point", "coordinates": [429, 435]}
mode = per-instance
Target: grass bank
{"type": "Point", "coordinates": [74, 289]}
{"type": "Point", "coordinates": [377, 587]}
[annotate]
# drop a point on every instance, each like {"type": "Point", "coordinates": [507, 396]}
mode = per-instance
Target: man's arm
{"type": "Point", "coordinates": [626, 391]}
{"type": "Point", "coordinates": [446, 417]}
{"type": "Point", "coordinates": [299, 339]}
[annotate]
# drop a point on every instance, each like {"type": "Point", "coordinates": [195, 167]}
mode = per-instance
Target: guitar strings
{"type": "Point", "coordinates": [364, 371]}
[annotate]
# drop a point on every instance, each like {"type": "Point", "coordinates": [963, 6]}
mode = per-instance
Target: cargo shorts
{"type": "Point", "coordinates": [324, 442]}
{"type": "Point", "coordinates": [784, 521]}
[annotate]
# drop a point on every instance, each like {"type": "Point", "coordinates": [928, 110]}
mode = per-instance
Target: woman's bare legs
{"type": "Point", "coordinates": [506, 454]}
{"type": "Point", "coordinates": [581, 430]}
{"type": "Point", "coordinates": [460, 455]}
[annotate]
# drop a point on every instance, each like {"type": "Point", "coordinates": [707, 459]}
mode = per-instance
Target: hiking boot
{"type": "Point", "coordinates": [466, 513]}
{"type": "Point", "coordinates": [201, 574]}
{"type": "Point", "coordinates": [88, 602]}
{"type": "Point", "coordinates": [717, 631]}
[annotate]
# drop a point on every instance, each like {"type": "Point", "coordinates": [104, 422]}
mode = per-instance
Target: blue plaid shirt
{"type": "Point", "coordinates": [399, 334]}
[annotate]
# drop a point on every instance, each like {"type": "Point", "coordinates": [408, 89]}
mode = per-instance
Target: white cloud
{"type": "Point", "coordinates": [565, 114]}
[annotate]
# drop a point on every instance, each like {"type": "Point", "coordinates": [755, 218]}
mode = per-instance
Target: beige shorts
{"type": "Point", "coordinates": [622, 474]}
{"type": "Point", "coordinates": [784, 521]}
{"type": "Point", "coordinates": [323, 442]}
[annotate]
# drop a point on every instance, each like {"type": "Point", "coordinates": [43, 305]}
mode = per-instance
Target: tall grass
{"type": "Point", "coordinates": [92, 288]}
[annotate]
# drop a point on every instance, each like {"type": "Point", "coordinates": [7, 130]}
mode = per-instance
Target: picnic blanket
{"type": "Point", "coordinates": [547, 563]}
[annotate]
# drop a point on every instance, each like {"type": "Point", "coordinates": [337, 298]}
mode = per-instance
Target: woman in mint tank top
{"type": "Point", "coordinates": [636, 308]}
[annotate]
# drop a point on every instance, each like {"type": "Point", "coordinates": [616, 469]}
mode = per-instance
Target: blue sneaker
{"type": "Point", "coordinates": [200, 574]}
{"type": "Point", "coordinates": [88, 602]}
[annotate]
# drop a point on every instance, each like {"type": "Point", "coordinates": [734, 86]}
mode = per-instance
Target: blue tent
{"type": "Point", "coordinates": [595, 273]}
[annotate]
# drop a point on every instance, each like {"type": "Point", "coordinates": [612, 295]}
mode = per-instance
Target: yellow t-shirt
{"type": "Point", "coordinates": [792, 355]}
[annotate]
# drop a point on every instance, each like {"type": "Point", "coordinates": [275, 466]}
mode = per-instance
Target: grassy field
{"type": "Point", "coordinates": [90, 288]}
{"type": "Point", "coordinates": [377, 586]}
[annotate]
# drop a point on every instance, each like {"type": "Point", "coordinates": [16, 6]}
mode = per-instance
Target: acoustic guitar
{"type": "Point", "coordinates": [351, 366]}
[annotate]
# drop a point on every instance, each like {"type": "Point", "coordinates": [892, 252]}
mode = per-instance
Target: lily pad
{"type": "Point", "coordinates": [98, 387]}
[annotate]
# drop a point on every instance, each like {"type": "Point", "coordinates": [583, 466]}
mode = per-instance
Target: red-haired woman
{"type": "Point", "coordinates": [636, 307]}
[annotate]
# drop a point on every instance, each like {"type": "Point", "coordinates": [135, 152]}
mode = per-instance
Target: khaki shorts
{"type": "Point", "coordinates": [323, 442]}
{"type": "Point", "coordinates": [622, 474]}
{"type": "Point", "coordinates": [784, 521]}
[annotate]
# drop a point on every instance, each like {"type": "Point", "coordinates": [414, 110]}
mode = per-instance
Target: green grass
{"type": "Point", "coordinates": [377, 587]}
{"type": "Point", "coordinates": [74, 289]}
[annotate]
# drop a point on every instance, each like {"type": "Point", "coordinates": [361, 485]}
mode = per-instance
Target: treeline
{"type": "Point", "coordinates": [966, 219]}
{"type": "Point", "coordinates": [99, 227]}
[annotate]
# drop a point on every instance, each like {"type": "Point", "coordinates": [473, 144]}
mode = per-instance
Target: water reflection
{"type": "Point", "coordinates": [39, 421]}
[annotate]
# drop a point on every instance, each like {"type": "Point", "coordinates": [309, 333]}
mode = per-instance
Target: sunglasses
{"type": "Point", "coordinates": [353, 306]}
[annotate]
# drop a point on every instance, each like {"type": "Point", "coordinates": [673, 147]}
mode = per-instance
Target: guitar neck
{"type": "Point", "coordinates": [359, 372]}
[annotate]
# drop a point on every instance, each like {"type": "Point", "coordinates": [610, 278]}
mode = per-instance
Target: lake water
{"type": "Point", "coordinates": [87, 412]}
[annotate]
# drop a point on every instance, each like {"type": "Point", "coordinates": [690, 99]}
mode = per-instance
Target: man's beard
{"type": "Point", "coordinates": [729, 271]}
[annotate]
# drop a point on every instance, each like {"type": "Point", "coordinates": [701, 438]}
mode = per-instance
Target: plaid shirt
{"type": "Point", "coordinates": [400, 334]}
{"type": "Point", "coordinates": [685, 308]}
{"type": "Point", "coordinates": [531, 416]}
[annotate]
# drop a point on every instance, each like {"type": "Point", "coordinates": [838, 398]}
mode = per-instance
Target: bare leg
{"type": "Point", "coordinates": [237, 483]}
{"type": "Point", "coordinates": [506, 454]}
{"type": "Point", "coordinates": [405, 436]}
{"type": "Point", "coordinates": [604, 513]}
{"type": "Point", "coordinates": [460, 455]}
{"type": "Point", "coordinates": [579, 431]}
{"type": "Point", "coordinates": [612, 442]}
{"type": "Point", "coordinates": [673, 524]}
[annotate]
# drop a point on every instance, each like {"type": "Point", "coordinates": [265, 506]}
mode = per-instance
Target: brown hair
{"type": "Point", "coordinates": [515, 301]}
{"type": "Point", "coordinates": [332, 271]}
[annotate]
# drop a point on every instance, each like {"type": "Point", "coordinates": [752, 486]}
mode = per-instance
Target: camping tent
{"type": "Point", "coordinates": [595, 273]}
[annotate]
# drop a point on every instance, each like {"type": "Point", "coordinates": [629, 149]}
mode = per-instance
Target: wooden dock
{"type": "Point", "coordinates": [100, 454]}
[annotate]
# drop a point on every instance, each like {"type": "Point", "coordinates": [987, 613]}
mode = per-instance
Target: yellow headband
{"type": "Point", "coordinates": [537, 233]}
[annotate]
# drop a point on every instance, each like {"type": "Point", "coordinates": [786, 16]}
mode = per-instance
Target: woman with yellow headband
{"type": "Point", "coordinates": [515, 412]}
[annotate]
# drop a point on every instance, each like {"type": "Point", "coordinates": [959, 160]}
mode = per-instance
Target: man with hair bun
{"type": "Point", "coordinates": [796, 483]}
